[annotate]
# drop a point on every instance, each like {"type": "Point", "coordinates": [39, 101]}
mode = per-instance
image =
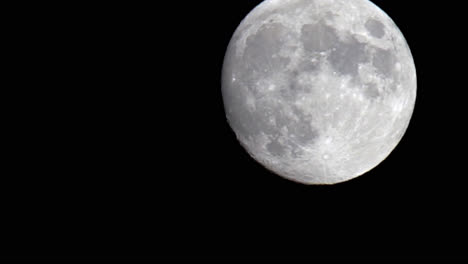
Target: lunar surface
{"type": "Point", "coordinates": [318, 91]}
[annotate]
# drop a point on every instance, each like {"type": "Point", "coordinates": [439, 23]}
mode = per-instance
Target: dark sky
{"type": "Point", "coordinates": [118, 146]}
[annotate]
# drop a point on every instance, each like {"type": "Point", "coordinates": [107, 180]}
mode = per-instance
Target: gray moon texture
{"type": "Point", "coordinates": [318, 91]}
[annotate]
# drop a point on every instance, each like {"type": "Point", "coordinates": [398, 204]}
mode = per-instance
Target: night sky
{"type": "Point", "coordinates": [118, 146]}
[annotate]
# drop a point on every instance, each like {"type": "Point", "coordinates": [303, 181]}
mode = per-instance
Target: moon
{"type": "Point", "coordinates": [318, 91]}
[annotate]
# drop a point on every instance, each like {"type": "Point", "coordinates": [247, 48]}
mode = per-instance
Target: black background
{"type": "Point", "coordinates": [118, 146]}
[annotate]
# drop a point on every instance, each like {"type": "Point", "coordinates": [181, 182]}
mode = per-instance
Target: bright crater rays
{"type": "Point", "coordinates": [318, 91]}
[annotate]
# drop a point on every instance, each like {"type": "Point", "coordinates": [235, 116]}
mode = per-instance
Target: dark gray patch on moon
{"type": "Point", "coordinates": [384, 61]}
{"type": "Point", "coordinates": [275, 148]}
{"type": "Point", "coordinates": [303, 132]}
{"type": "Point", "coordinates": [371, 91]}
{"type": "Point", "coordinates": [347, 56]}
{"type": "Point", "coordinates": [263, 112]}
{"type": "Point", "coordinates": [301, 129]}
{"type": "Point", "coordinates": [318, 37]}
{"type": "Point", "coordinates": [306, 66]}
{"type": "Point", "coordinates": [261, 46]}
{"type": "Point", "coordinates": [375, 28]}
{"type": "Point", "coordinates": [293, 88]}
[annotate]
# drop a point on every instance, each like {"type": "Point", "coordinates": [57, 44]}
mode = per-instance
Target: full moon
{"type": "Point", "coordinates": [318, 91]}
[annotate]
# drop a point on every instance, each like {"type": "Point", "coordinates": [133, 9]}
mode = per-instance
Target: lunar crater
{"type": "Point", "coordinates": [375, 28]}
